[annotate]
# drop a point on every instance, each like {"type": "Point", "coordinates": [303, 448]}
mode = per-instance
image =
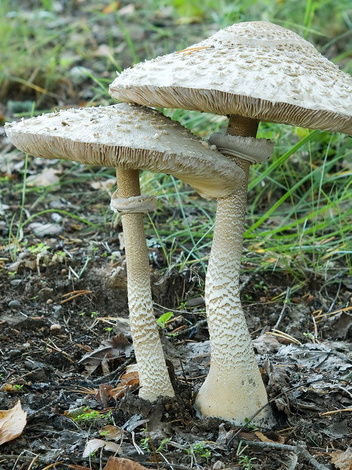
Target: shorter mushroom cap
{"type": "Point", "coordinates": [128, 136]}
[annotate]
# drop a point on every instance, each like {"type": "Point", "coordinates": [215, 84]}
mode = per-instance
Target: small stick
{"type": "Point", "coordinates": [281, 316]}
{"type": "Point", "coordinates": [74, 294]}
{"type": "Point", "coordinates": [293, 463]}
{"type": "Point", "coordinates": [327, 413]}
{"type": "Point", "coordinates": [318, 313]}
{"type": "Point", "coordinates": [299, 448]}
{"type": "Point", "coordinates": [285, 336]}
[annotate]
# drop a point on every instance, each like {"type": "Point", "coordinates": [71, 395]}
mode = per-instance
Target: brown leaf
{"type": "Point", "coordinates": [111, 432]}
{"type": "Point", "coordinates": [263, 438]}
{"type": "Point", "coordinates": [103, 394]}
{"type": "Point", "coordinates": [12, 423]}
{"type": "Point", "coordinates": [342, 460]}
{"type": "Point", "coordinates": [127, 381]}
{"type": "Point", "coordinates": [117, 463]}
{"type": "Point", "coordinates": [79, 467]}
{"type": "Point", "coordinates": [114, 6]}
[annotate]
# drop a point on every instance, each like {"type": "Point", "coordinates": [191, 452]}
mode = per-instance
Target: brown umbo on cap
{"type": "Point", "coordinates": [255, 69]}
{"type": "Point", "coordinates": [131, 137]}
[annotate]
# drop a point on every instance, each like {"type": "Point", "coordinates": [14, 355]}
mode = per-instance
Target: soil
{"type": "Point", "coordinates": [66, 351]}
{"type": "Point", "coordinates": [65, 344]}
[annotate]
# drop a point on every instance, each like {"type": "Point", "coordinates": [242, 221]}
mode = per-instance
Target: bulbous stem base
{"type": "Point", "coordinates": [234, 389]}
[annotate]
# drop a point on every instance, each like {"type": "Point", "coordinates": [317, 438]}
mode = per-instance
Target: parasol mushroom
{"type": "Point", "coordinates": [254, 71]}
{"type": "Point", "coordinates": [131, 138]}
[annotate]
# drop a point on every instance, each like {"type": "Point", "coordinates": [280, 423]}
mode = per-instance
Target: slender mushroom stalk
{"type": "Point", "coordinates": [249, 71]}
{"type": "Point", "coordinates": [130, 138]}
{"type": "Point", "coordinates": [233, 366]}
{"type": "Point", "coordinates": [153, 375]}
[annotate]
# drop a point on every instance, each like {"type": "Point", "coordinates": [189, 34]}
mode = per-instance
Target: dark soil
{"type": "Point", "coordinates": [51, 317]}
{"type": "Point", "coordinates": [65, 344]}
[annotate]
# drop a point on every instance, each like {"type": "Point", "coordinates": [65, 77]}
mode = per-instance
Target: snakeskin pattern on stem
{"type": "Point", "coordinates": [153, 375]}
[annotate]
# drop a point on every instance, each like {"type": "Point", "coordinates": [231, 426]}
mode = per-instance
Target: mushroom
{"type": "Point", "coordinates": [131, 138]}
{"type": "Point", "coordinates": [253, 71]}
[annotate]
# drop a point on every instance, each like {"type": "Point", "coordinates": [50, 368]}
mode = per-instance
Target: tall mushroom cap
{"type": "Point", "coordinates": [254, 69]}
{"type": "Point", "coordinates": [131, 137]}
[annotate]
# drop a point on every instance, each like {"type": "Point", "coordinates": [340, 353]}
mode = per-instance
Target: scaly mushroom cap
{"type": "Point", "coordinates": [255, 69]}
{"type": "Point", "coordinates": [131, 137]}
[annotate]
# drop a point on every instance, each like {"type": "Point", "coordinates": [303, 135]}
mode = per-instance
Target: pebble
{"type": "Point", "coordinates": [57, 311]}
{"type": "Point", "coordinates": [15, 304]}
{"type": "Point", "coordinates": [56, 217]}
{"type": "Point", "coordinates": [55, 327]}
{"type": "Point", "coordinates": [14, 353]}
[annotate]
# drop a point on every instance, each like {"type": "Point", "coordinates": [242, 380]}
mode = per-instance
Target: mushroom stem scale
{"type": "Point", "coordinates": [153, 374]}
{"type": "Point", "coordinates": [234, 388]}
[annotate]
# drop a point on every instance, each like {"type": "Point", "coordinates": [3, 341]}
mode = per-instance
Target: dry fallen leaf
{"type": "Point", "coordinates": [127, 381]}
{"type": "Point", "coordinates": [12, 423]}
{"type": "Point", "coordinates": [79, 467]}
{"type": "Point", "coordinates": [111, 432]}
{"type": "Point", "coordinates": [342, 460]}
{"type": "Point", "coordinates": [103, 185]}
{"type": "Point", "coordinates": [95, 444]}
{"type": "Point", "coordinates": [263, 438]}
{"type": "Point", "coordinates": [117, 463]}
{"type": "Point", "coordinates": [114, 6]}
{"type": "Point", "coordinates": [47, 177]}
{"type": "Point", "coordinates": [116, 347]}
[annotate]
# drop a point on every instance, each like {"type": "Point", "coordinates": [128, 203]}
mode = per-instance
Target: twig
{"type": "Point", "coordinates": [50, 344]}
{"type": "Point", "coordinates": [249, 279]}
{"type": "Point", "coordinates": [172, 466]}
{"type": "Point", "coordinates": [327, 413]}
{"type": "Point", "coordinates": [318, 313]}
{"type": "Point", "coordinates": [194, 327]}
{"type": "Point", "coordinates": [293, 463]}
{"type": "Point", "coordinates": [74, 294]}
{"type": "Point", "coordinates": [11, 457]}
{"type": "Point", "coordinates": [233, 437]}
{"type": "Point", "coordinates": [116, 372]}
{"type": "Point", "coordinates": [284, 336]}
{"type": "Point", "coordinates": [304, 452]}
{"type": "Point", "coordinates": [299, 449]}
{"type": "Point", "coordinates": [52, 465]}
{"type": "Point", "coordinates": [281, 316]}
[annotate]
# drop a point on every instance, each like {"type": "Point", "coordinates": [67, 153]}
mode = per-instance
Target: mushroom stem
{"type": "Point", "coordinates": [234, 388]}
{"type": "Point", "coordinates": [153, 374]}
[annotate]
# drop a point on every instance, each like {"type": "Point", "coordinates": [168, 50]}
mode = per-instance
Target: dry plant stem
{"type": "Point", "coordinates": [299, 449]}
{"type": "Point", "coordinates": [233, 388]}
{"type": "Point", "coordinates": [153, 374]}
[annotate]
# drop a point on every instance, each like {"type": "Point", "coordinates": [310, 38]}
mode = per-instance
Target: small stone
{"type": "Point", "coordinates": [15, 304]}
{"type": "Point", "coordinates": [56, 217]}
{"type": "Point", "coordinates": [14, 353]}
{"type": "Point", "coordinates": [57, 311]}
{"type": "Point", "coordinates": [55, 328]}
{"type": "Point", "coordinates": [80, 74]}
